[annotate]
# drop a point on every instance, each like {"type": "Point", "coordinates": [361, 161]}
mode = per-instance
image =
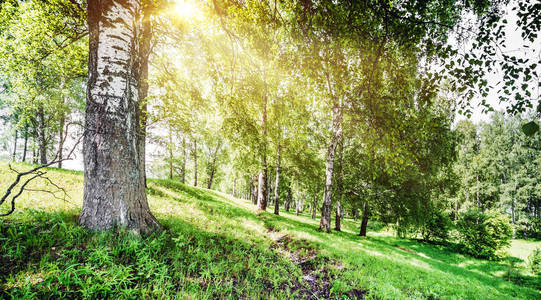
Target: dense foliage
{"type": "Point", "coordinates": [484, 234]}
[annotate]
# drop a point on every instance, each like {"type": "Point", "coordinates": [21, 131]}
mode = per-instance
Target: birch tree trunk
{"type": "Point", "coordinates": [325, 222]}
{"type": "Point", "coordinates": [194, 153]}
{"type": "Point", "coordinates": [25, 149]}
{"type": "Point", "coordinates": [262, 182]}
{"type": "Point", "coordinates": [213, 166]}
{"type": "Point", "coordinates": [184, 161]}
{"type": "Point", "coordinates": [277, 183]}
{"type": "Point", "coordinates": [113, 145]}
{"type": "Point", "coordinates": [61, 141]}
{"type": "Point", "coordinates": [15, 145]}
{"type": "Point", "coordinates": [170, 153]}
{"type": "Point", "coordinates": [339, 183]}
{"type": "Point", "coordinates": [314, 207]}
{"type": "Point", "coordinates": [42, 139]}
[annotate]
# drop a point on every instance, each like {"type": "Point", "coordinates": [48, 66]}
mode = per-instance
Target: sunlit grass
{"type": "Point", "coordinates": [216, 246]}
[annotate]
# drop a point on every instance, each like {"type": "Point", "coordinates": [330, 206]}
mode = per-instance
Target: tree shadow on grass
{"type": "Point", "coordinates": [447, 261]}
{"type": "Point", "coordinates": [182, 258]}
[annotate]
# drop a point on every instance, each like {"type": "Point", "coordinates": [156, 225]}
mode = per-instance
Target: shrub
{"type": "Point", "coordinates": [534, 261]}
{"type": "Point", "coordinates": [484, 235]}
{"type": "Point", "coordinates": [436, 227]}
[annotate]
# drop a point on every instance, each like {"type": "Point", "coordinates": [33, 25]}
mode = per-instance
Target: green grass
{"type": "Point", "coordinates": [216, 246]}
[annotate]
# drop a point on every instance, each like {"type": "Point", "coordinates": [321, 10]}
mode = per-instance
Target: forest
{"type": "Point", "coordinates": [270, 149]}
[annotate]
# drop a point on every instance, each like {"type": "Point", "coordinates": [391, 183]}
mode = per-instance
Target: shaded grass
{"type": "Point", "coordinates": [216, 246]}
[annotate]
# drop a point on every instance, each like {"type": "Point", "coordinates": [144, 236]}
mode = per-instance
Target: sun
{"type": "Point", "coordinates": [186, 9]}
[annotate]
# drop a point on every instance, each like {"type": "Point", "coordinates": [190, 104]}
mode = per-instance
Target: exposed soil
{"type": "Point", "coordinates": [317, 271]}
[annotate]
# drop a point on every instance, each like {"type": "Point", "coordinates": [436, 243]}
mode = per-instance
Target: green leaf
{"type": "Point", "coordinates": [530, 128]}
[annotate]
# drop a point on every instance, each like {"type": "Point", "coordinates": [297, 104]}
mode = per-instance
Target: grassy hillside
{"type": "Point", "coordinates": [216, 246]}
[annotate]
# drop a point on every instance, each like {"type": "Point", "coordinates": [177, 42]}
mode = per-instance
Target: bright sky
{"type": "Point", "coordinates": [512, 46]}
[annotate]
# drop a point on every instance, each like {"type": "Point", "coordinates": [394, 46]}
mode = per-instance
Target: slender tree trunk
{"type": "Point", "coordinates": [42, 137]}
{"type": "Point", "coordinates": [15, 145]}
{"type": "Point", "coordinates": [25, 143]}
{"type": "Point", "coordinates": [262, 184]}
{"type": "Point", "coordinates": [338, 196]}
{"type": "Point", "coordinates": [355, 213]}
{"type": "Point", "coordinates": [61, 141]}
{"type": "Point", "coordinates": [184, 161]}
{"type": "Point", "coordinates": [34, 150]}
{"type": "Point", "coordinates": [114, 192]}
{"type": "Point", "coordinates": [297, 207]}
{"type": "Point", "coordinates": [170, 153]}
{"type": "Point", "coordinates": [61, 125]}
{"type": "Point", "coordinates": [337, 224]}
{"type": "Point", "coordinates": [325, 222]}
{"type": "Point", "coordinates": [277, 183]}
{"type": "Point", "coordinates": [364, 221]}
{"type": "Point", "coordinates": [213, 166]}
{"type": "Point", "coordinates": [288, 201]}
{"type": "Point", "coordinates": [255, 190]}
{"type": "Point", "coordinates": [478, 203]}
{"type": "Point", "coordinates": [269, 187]}
{"type": "Point", "coordinates": [194, 153]}
{"type": "Point", "coordinates": [314, 207]}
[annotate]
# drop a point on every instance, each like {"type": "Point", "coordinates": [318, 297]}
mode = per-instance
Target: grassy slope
{"type": "Point", "coordinates": [216, 246]}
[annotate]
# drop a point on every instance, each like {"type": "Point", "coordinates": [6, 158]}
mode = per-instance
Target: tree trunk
{"type": "Point", "coordinates": [194, 153]}
{"type": "Point", "coordinates": [364, 221]}
{"type": "Point", "coordinates": [314, 207]}
{"type": "Point", "coordinates": [288, 201]}
{"type": "Point", "coordinates": [184, 161]}
{"type": "Point", "coordinates": [113, 145]}
{"type": "Point", "coordinates": [355, 213]}
{"type": "Point", "coordinates": [15, 145]}
{"type": "Point", "coordinates": [297, 207]}
{"type": "Point", "coordinates": [25, 143]}
{"type": "Point", "coordinates": [213, 166]}
{"type": "Point", "coordinates": [170, 153]}
{"type": "Point", "coordinates": [254, 190]}
{"type": "Point", "coordinates": [42, 139]}
{"type": "Point", "coordinates": [262, 190]}
{"type": "Point", "coordinates": [337, 224]}
{"type": "Point", "coordinates": [338, 196]}
{"type": "Point", "coordinates": [61, 141]}
{"type": "Point", "coordinates": [277, 183]}
{"type": "Point", "coordinates": [325, 222]}
{"type": "Point", "coordinates": [262, 184]}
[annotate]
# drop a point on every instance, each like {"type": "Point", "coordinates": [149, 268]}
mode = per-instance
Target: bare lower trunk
{"type": "Point", "coordinates": [262, 183]}
{"type": "Point", "coordinates": [170, 153]}
{"type": "Point", "coordinates": [213, 166]}
{"type": "Point", "coordinates": [194, 153]}
{"type": "Point", "coordinates": [262, 190]}
{"type": "Point", "coordinates": [337, 225]}
{"type": "Point", "coordinates": [364, 221]}
{"type": "Point", "coordinates": [277, 183]}
{"type": "Point", "coordinates": [114, 183]}
{"type": "Point", "coordinates": [314, 207]}
{"type": "Point", "coordinates": [61, 142]}
{"type": "Point", "coordinates": [25, 144]}
{"type": "Point", "coordinates": [254, 190]}
{"type": "Point", "coordinates": [339, 182]}
{"type": "Point", "coordinates": [325, 222]}
{"type": "Point", "coordinates": [15, 145]}
{"type": "Point", "coordinates": [42, 139]}
{"type": "Point", "coordinates": [184, 161]}
{"type": "Point", "coordinates": [287, 204]}
{"type": "Point", "coordinates": [297, 207]}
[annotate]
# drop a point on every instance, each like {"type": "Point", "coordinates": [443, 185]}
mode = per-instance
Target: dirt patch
{"type": "Point", "coordinates": [406, 249]}
{"type": "Point", "coordinates": [317, 271]}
